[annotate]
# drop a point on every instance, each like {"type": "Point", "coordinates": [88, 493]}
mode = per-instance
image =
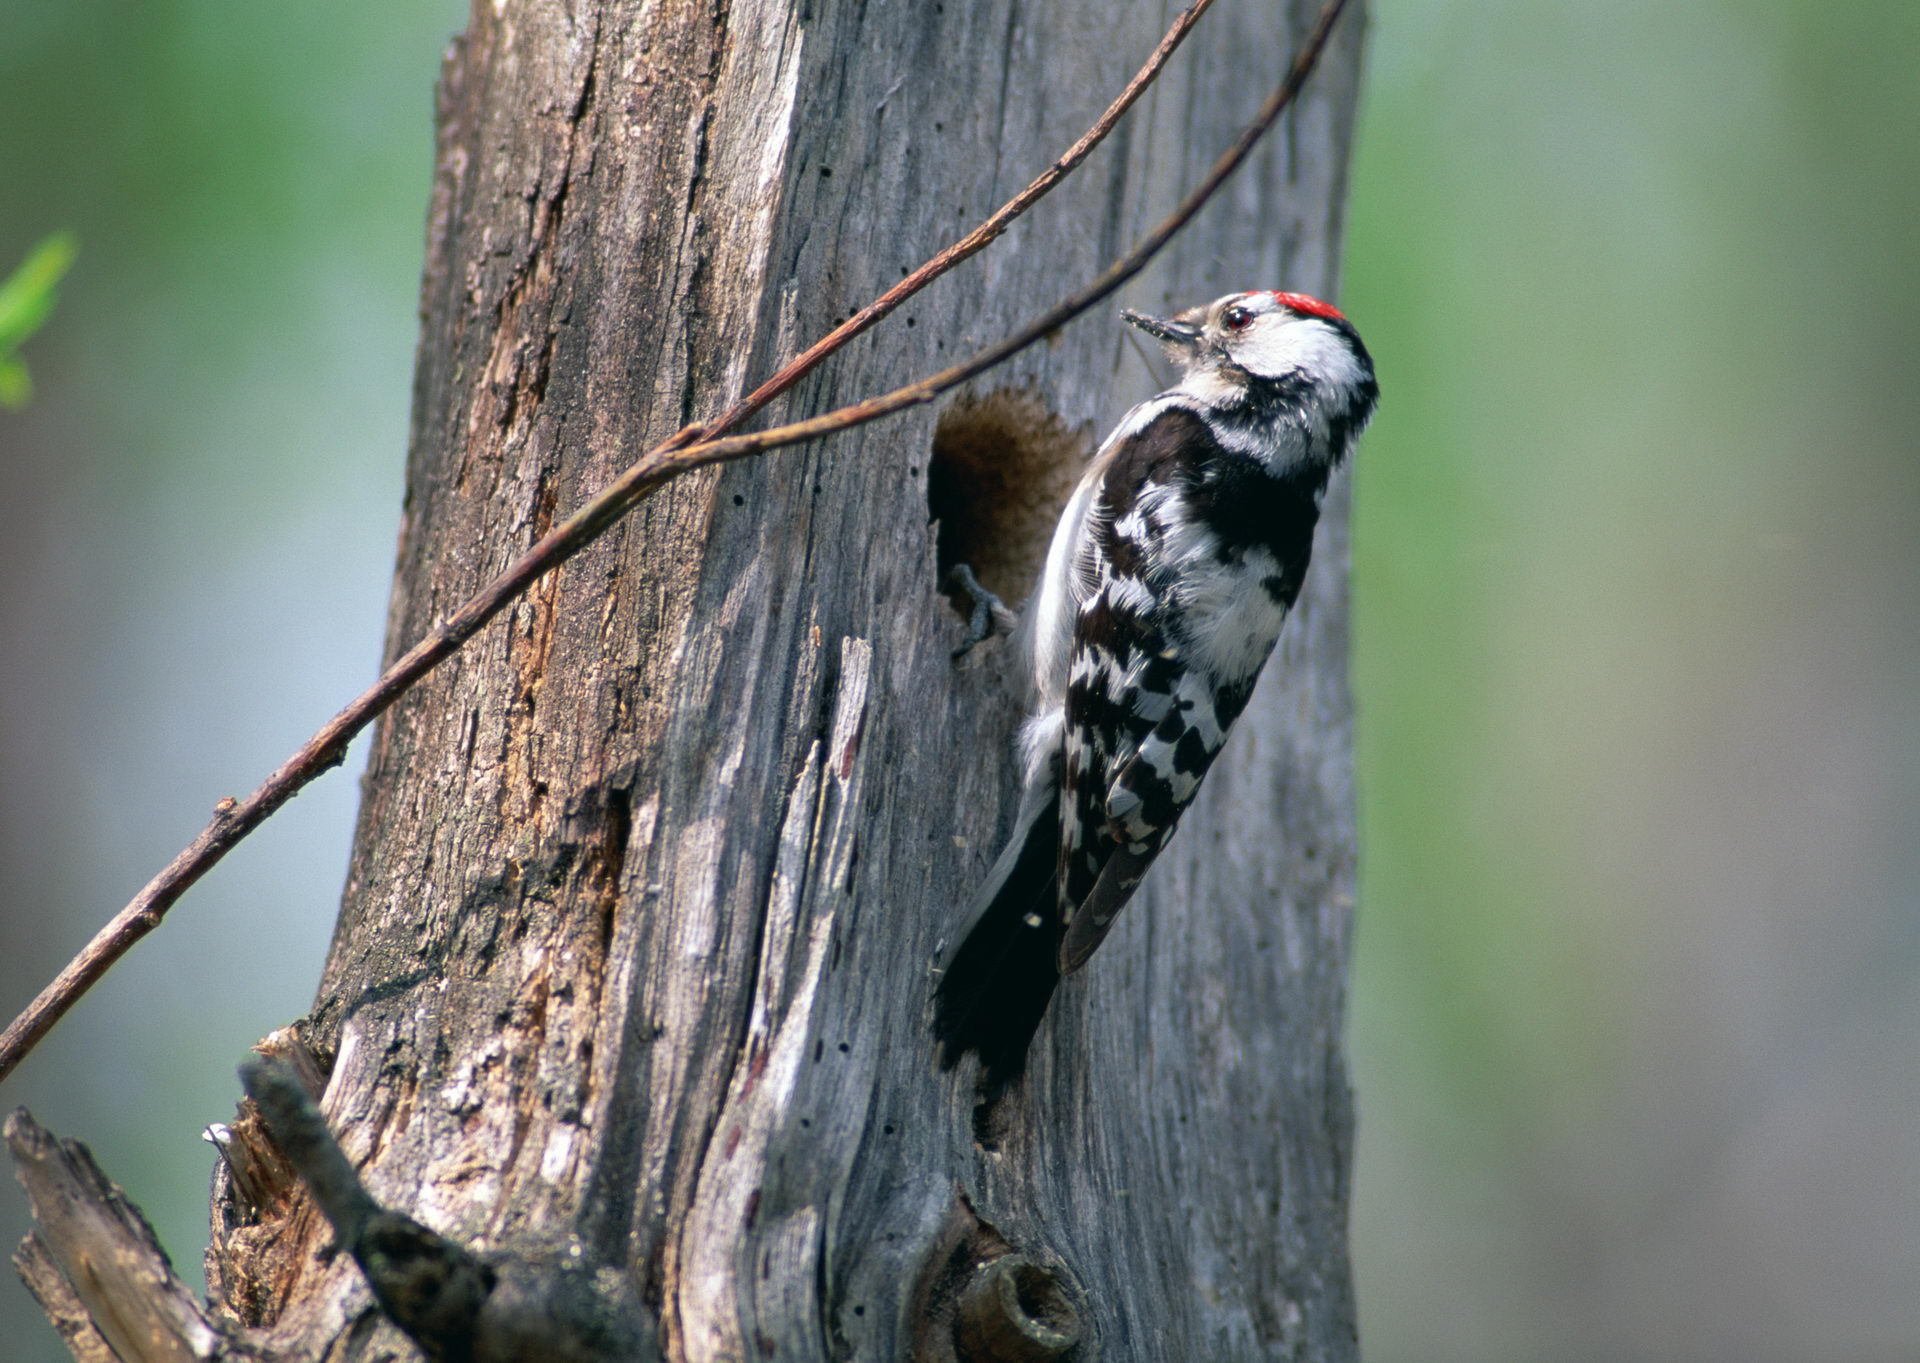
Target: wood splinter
{"type": "Point", "coordinates": [94, 1264]}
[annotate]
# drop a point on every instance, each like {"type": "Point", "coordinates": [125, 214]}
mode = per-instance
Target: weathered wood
{"type": "Point", "coordinates": [65, 1311]}
{"type": "Point", "coordinates": [633, 965]}
{"type": "Point", "coordinates": [94, 1265]}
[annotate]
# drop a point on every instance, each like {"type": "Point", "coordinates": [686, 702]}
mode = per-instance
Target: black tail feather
{"type": "Point", "coordinates": [998, 982]}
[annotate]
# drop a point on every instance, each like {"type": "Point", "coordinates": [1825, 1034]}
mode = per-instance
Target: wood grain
{"type": "Point", "coordinates": [634, 957]}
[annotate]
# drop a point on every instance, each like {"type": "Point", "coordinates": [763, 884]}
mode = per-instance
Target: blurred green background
{"type": "Point", "coordinates": [1636, 998]}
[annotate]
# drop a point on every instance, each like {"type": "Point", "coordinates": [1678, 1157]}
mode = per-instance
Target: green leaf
{"type": "Point", "coordinates": [26, 299]}
{"type": "Point", "coordinates": [27, 296]}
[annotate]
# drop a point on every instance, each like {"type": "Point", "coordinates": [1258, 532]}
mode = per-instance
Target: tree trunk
{"type": "Point", "coordinates": [633, 966]}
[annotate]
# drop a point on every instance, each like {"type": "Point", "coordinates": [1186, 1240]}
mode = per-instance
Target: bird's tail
{"type": "Point", "coordinates": [998, 981]}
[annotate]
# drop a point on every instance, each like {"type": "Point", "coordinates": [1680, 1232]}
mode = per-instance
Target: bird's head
{"type": "Point", "coordinates": [1230, 349]}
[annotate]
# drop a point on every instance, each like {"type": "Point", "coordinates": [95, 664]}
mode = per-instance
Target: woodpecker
{"type": "Point", "coordinates": [1166, 584]}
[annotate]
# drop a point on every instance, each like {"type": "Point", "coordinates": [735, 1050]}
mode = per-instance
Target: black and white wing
{"type": "Point", "coordinates": [1142, 728]}
{"type": "Point", "coordinates": [1165, 651]}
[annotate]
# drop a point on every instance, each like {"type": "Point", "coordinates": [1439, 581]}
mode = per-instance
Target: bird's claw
{"type": "Point", "coordinates": [988, 614]}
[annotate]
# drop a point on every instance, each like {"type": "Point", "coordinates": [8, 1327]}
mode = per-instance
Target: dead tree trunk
{"type": "Point", "coordinates": [633, 965]}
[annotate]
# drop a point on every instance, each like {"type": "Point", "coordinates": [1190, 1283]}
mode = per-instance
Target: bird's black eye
{"type": "Point", "coordinates": [1236, 318]}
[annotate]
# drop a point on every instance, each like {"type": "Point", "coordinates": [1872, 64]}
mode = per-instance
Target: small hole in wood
{"type": "Point", "coordinates": [1003, 466]}
{"type": "Point", "coordinates": [1042, 1300]}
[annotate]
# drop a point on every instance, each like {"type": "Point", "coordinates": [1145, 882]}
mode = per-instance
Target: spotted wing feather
{"type": "Point", "coordinates": [1128, 802]}
{"type": "Point", "coordinates": [1159, 673]}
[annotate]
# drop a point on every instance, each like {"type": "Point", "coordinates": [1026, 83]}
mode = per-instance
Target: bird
{"type": "Point", "coordinates": [1166, 583]}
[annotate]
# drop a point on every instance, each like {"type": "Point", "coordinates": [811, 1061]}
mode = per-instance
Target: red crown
{"type": "Point", "coordinates": [1311, 306]}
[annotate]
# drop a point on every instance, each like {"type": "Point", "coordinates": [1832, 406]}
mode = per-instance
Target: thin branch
{"type": "Point", "coordinates": [975, 241]}
{"type": "Point", "coordinates": [683, 452]}
{"type": "Point", "coordinates": [657, 467]}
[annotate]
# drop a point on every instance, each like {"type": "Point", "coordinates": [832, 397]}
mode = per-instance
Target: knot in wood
{"type": "Point", "coordinates": [1014, 1311]}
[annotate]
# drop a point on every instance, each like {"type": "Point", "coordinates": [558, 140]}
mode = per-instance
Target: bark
{"type": "Point", "coordinates": [633, 966]}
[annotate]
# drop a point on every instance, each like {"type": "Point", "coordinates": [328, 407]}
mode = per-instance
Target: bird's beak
{"type": "Point", "coordinates": [1173, 333]}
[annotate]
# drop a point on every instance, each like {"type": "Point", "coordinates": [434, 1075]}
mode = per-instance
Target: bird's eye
{"type": "Point", "coordinates": [1236, 318]}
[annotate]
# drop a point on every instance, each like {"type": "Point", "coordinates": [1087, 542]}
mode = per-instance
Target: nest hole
{"type": "Point", "coordinates": [1003, 466]}
{"type": "Point", "coordinates": [1043, 1301]}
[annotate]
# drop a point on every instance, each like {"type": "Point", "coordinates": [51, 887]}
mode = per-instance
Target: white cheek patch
{"type": "Point", "coordinates": [1307, 343]}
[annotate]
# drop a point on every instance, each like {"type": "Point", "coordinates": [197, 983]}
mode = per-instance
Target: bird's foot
{"type": "Point", "coordinates": [987, 614]}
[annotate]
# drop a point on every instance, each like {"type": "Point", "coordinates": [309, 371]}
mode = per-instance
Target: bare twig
{"type": "Point", "coordinates": [683, 452]}
{"type": "Point", "coordinates": [977, 240]}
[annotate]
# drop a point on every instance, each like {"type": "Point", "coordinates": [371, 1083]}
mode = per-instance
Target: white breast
{"type": "Point", "coordinates": [1228, 622]}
